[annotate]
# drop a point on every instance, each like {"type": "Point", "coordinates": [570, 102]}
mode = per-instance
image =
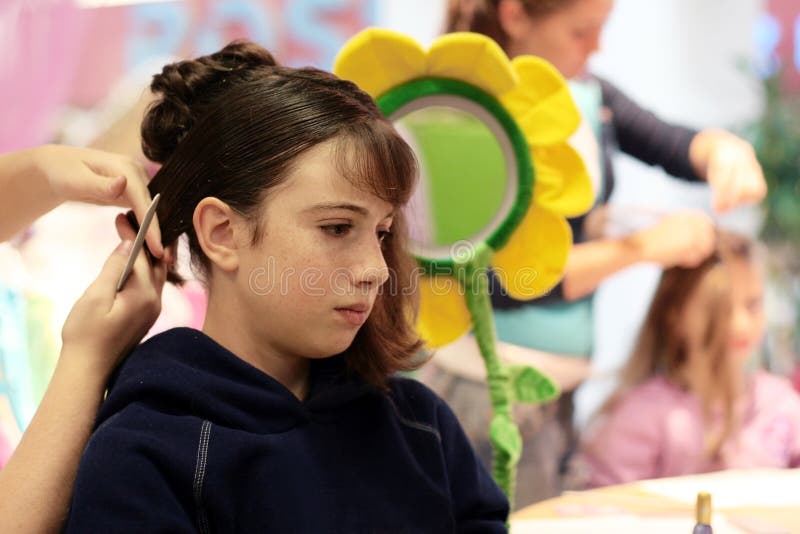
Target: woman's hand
{"type": "Point", "coordinates": [105, 325]}
{"type": "Point", "coordinates": [730, 167]}
{"type": "Point", "coordinates": [97, 177]}
{"type": "Point", "coordinates": [36, 484]}
{"type": "Point", "coordinates": [680, 239]}
{"type": "Point", "coordinates": [36, 180]}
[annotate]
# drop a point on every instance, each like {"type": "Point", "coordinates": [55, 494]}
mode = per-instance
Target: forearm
{"type": "Point", "coordinates": [36, 483]}
{"type": "Point", "coordinates": [646, 137]}
{"type": "Point", "coordinates": [592, 262]}
{"type": "Point", "coordinates": [26, 193]}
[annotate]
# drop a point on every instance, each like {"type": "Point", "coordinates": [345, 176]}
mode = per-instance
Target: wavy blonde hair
{"type": "Point", "coordinates": [661, 348]}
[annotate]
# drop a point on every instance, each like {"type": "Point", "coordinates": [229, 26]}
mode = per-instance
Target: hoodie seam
{"type": "Point", "coordinates": [414, 424]}
{"type": "Point", "coordinates": [200, 475]}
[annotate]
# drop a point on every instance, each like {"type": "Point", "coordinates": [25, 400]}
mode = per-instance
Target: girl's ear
{"type": "Point", "coordinates": [512, 18]}
{"type": "Point", "coordinates": [219, 229]}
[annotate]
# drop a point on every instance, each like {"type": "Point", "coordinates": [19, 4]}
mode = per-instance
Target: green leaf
{"type": "Point", "coordinates": [531, 386]}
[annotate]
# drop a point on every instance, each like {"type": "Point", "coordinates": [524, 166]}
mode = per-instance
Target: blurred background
{"type": "Point", "coordinates": [72, 71]}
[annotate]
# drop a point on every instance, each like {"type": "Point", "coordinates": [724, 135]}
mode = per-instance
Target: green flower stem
{"type": "Point", "coordinates": [506, 440]}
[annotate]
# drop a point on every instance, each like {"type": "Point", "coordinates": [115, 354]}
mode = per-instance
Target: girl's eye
{"type": "Point", "coordinates": [754, 305]}
{"type": "Point", "coordinates": [337, 230]}
{"type": "Point", "coordinates": [383, 234]}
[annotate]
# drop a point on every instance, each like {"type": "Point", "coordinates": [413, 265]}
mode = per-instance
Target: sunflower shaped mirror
{"type": "Point", "coordinates": [497, 181]}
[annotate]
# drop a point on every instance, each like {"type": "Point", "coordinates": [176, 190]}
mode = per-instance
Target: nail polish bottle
{"type": "Point", "coordinates": [703, 514]}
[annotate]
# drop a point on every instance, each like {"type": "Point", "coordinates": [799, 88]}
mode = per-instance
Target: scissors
{"type": "Point", "coordinates": [138, 242]}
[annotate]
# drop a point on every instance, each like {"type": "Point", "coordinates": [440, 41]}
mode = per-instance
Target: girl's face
{"type": "Point", "coordinates": [745, 283]}
{"type": "Point", "coordinates": [566, 37]}
{"type": "Point", "coordinates": [312, 280]}
{"type": "Point", "coordinates": [747, 308]}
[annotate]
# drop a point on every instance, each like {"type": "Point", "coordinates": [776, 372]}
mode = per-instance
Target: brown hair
{"type": "Point", "coordinates": [480, 16]}
{"type": "Point", "coordinates": [661, 349]}
{"type": "Point", "coordinates": [231, 124]}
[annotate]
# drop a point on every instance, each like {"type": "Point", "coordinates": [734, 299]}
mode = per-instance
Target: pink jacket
{"type": "Point", "coordinates": [657, 430]}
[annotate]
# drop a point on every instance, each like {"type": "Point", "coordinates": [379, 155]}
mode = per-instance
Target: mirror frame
{"type": "Point", "coordinates": [418, 94]}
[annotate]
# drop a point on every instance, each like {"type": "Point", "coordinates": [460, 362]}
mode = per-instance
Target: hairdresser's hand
{"type": "Point", "coordinates": [730, 167]}
{"type": "Point", "coordinates": [681, 239]}
{"type": "Point", "coordinates": [98, 177]}
{"type": "Point", "coordinates": [105, 325]}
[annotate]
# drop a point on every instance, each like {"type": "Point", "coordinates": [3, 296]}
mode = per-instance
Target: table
{"type": "Point", "coordinates": [756, 501]}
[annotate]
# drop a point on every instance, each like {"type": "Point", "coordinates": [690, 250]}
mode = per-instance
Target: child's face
{"type": "Point", "coordinates": [311, 282]}
{"type": "Point", "coordinates": [745, 283]}
{"type": "Point", "coordinates": [747, 309]}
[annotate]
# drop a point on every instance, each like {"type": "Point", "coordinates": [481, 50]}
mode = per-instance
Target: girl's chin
{"type": "Point", "coordinates": [333, 348]}
{"type": "Point", "coordinates": [742, 354]}
{"type": "Point", "coordinates": [576, 73]}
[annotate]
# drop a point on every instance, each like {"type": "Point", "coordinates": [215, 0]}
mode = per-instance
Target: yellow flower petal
{"type": "Point", "coordinates": [474, 59]}
{"type": "Point", "coordinates": [541, 103]}
{"type": "Point", "coordinates": [561, 182]}
{"type": "Point", "coordinates": [378, 60]}
{"type": "Point", "coordinates": [443, 314]}
{"type": "Point", "coordinates": [533, 260]}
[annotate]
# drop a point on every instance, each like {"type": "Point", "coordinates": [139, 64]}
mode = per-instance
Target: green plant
{"type": "Point", "coordinates": [776, 139]}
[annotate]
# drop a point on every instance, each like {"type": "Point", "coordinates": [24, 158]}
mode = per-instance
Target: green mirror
{"type": "Point", "coordinates": [468, 179]}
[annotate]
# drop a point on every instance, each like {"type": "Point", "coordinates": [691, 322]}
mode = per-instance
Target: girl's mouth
{"type": "Point", "coordinates": [355, 315]}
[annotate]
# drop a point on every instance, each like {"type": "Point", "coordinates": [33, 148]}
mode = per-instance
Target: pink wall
{"type": "Point", "coordinates": [53, 53]}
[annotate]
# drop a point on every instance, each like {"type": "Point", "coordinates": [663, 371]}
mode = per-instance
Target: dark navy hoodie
{"type": "Point", "coordinates": [193, 439]}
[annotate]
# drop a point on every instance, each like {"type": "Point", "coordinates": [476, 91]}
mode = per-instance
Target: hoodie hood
{"type": "Point", "coordinates": [184, 371]}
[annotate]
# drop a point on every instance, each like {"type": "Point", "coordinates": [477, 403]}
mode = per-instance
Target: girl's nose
{"type": "Point", "coordinates": [372, 269]}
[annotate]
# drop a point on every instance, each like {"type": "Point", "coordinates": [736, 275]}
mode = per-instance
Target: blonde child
{"type": "Point", "coordinates": [688, 401]}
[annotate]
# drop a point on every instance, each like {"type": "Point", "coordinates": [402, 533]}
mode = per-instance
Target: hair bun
{"type": "Point", "coordinates": [187, 88]}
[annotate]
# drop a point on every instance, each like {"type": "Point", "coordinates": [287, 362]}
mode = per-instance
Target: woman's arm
{"type": "Point", "coordinates": [684, 238]}
{"type": "Point", "coordinates": [727, 162]}
{"type": "Point", "coordinates": [646, 137]}
{"type": "Point", "coordinates": [36, 483]}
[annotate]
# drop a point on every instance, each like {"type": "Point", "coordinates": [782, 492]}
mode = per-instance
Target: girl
{"type": "Point", "coordinates": [687, 403]}
{"type": "Point", "coordinates": [282, 415]}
